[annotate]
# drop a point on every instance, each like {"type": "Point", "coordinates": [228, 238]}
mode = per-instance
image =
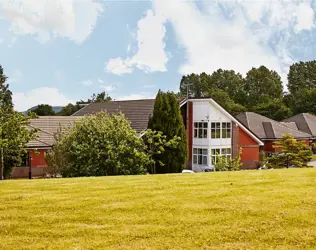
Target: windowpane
{"type": "Point", "coordinates": [195, 159]}
{"type": "Point", "coordinates": [228, 151]}
{"type": "Point", "coordinates": [223, 151]}
{"type": "Point", "coordinates": [204, 160]}
{"type": "Point", "coordinates": [205, 124]}
{"type": "Point", "coordinates": [195, 124]}
{"type": "Point", "coordinates": [195, 133]}
{"type": "Point", "coordinates": [218, 125]}
{"type": "Point", "coordinates": [194, 151]}
{"type": "Point", "coordinates": [200, 159]}
{"type": "Point", "coordinates": [204, 133]}
{"type": "Point", "coordinates": [204, 151]}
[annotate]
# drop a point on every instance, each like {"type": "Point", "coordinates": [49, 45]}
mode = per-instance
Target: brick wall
{"type": "Point", "coordinates": [190, 134]}
{"type": "Point", "coordinates": [235, 140]}
{"type": "Point", "coordinates": [23, 172]}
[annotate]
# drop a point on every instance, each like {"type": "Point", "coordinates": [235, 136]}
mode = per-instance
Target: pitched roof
{"type": "Point", "coordinates": [305, 122]}
{"type": "Point", "coordinates": [48, 126]}
{"type": "Point", "coordinates": [266, 128]}
{"type": "Point", "coordinates": [136, 111]}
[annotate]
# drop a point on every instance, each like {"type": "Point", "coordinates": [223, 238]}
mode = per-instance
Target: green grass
{"type": "Point", "coordinates": [272, 209]}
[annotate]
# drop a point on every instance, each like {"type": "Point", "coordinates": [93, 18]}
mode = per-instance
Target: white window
{"type": "Point", "coordinates": [225, 152]}
{"type": "Point", "coordinates": [226, 130]}
{"type": "Point", "coordinates": [200, 129]}
{"type": "Point", "coordinates": [200, 156]}
{"type": "Point", "coordinates": [215, 130]}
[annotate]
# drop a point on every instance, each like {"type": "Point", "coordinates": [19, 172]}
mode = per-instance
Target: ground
{"type": "Point", "coordinates": [266, 209]}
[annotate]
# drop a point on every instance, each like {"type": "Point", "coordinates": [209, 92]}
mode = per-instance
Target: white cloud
{"type": "Point", "coordinates": [150, 55]}
{"type": "Point", "coordinates": [233, 34]}
{"type": "Point", "coordinates": [118, 66]}
{"type": "Point", "coordinates": [100, 81]}
{"type": "Point", "coordinates": [86, 83]}
{"type": "Point", "coordinates": [305, 17]}
{"type": "Point", "coordinates": [47, 19]}
{"type": "Point", "coordinates": [107, 88]}
{"type": "Point", "coordinates": [45, 95]}
{"type": "Point", "coordinates": [139, 96]}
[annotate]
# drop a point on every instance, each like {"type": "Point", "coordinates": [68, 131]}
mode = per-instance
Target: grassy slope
{"type": "Point", "coordinates": [241, 210]}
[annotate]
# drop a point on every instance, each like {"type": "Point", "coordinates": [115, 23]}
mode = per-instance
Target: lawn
{"type": "Point", "coordinates": [238, 210]}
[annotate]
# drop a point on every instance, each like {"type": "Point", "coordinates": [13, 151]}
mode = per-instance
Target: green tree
{"type": "Point", "coordinates": [100, 145]}
{"type": "Point", "coordinates": [302, 76]}
{"type": "Point", "coordinates": [69, 109]}
{"type": "Point", "coordinates": [167, 119]}
{"type": "Point", "coordinates": [229, 82]}
{"type": "Point", "coordinates": [274, 109]}
{"type": "Point", "coordinates": [156, 144]}
{"type": "Point", "coordinates": [261, 85]}
{"type": "Point", "coordinates": [196, 84]}
{"type": "Point", "coordinates": [304, 101]}
{"type": "Point", "coordinates": [222, 98]}
{"type": "Point", "coordinates": [293, 153]}
{"type": "Point", "coordinates": [44, 110]}
{"type": "Point", "coordinates": [100, 97]}
{"type": "Point", "coordinates": [14, 134]}
{"type": "Point", "coordinates": [228, 164]}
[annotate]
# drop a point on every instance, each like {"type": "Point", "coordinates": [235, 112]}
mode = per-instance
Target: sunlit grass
{"type": "Point", "coordinates": [272, 209]}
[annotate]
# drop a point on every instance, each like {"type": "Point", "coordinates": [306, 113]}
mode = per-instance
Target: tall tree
{"type": "Point", "coordinates": [228, 81]}
{"type": "Point", "coordinates": [44, 110]}
{"type": "Point", "coordinates": [261, 86]}
{"type": "Point", "coordinates": [14, 134]}
{"type": "Point", "coordinates": [100, 97]}
{"type": "Point", "coordinates": [167, 118]}
{"type": "Point", "coordinates": [69, 109]}
{"type": "Point", "coordinates": [302, 76]}
{"type": "Point", "coordinates": [195, 84]}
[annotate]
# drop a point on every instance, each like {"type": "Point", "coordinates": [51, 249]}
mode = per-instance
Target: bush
{"type": "Point", "coordinates": [224, 164]}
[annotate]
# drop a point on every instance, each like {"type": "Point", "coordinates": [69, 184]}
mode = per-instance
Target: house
{"type": "Point", "coordinates": [269, 131]}
{"type": "Point", "coordinates": [210, 128]}
{"type": "Point", "coordinates": [304, 122]}
{"type": "Point", "coordinates": [48, 126]}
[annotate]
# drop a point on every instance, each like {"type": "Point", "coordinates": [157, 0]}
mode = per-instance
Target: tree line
{"type": "Point", "coordinates": [260, 91]}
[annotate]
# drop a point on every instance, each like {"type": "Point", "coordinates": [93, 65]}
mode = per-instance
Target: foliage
{"type": "Point", "coordinates": [156, 144]}
{"type": "Point", "coordinates": [304, 101]}
{"type": "Point", "coordinates": [14, 133]}
{"type": "Point", "coordinates": [44, 110]}
{"type": "Point", "coordinates": [293, 153]}
{"type": "Point", "coordinates": [228, 164]}
{"type": "Point", "coordinates": [262, 159]}
{"type": "Point", "coordinates": [302, 76]}
{"type": "Point", "coordinates": [100, 145]}
{"type": "Point", "coordinates": [197, 85]}
{"type": "Point", "coordinates": [101, 97]}
{"type": "Point", "coordinates": [69, 109]}
{"type": "Point", "coordinates": [261, 86]}
{"type": "Point", "coordinates": [167, 118]}
{"type": "Point", "coordinates": [274, 109]}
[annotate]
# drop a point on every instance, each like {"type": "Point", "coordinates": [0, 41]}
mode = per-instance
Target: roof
{"type": "Point", "coordinates": [305, 122]}
{"type": "Point", "coordinates": [48, 126]}
{"type": "Point", "coordinates": [266, 128]}
{"type": "Point", "coordinates": [136, 111]}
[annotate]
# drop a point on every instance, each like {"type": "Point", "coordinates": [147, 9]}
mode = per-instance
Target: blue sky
{"type": "Point", "coordinates": [61, 51]}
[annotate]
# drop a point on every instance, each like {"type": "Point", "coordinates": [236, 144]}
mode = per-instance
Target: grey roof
{"type": "Point", "coordinates": [290, 124]}
{"type": "Point", "coordinates": [136, 111]}
{"type": "Point", "coordinates": [305, 122]}
{"type": "Point", "coordinates": [266, 128]}
{"type": "Point", "coordinates": [48, 126]}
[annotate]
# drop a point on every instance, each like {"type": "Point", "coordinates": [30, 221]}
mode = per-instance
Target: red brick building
{"type": "Point", "coordinates": [269, 131]}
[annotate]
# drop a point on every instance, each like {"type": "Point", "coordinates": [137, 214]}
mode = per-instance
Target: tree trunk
{"type": "Point", "coordinates": [1, 164]}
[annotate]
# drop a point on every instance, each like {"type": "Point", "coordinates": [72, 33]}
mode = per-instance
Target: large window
{"type": "Point", "coordinates": [200, 129]}
{"type": "Point", "coordinates": [225, 152]}
{"type": "Point", "coordinates": [215, 130]}
{"type": "Point", "coordinates": [200, 156]}
{"type": "Point", "coordinates": [226, 130]}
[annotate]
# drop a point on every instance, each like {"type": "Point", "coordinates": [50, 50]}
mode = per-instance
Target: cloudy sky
{"type": "Point", "coordinates": [60, 51]}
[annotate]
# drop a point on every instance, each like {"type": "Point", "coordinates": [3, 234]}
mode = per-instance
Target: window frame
{"type": "Point", "coordinates": [200, 156]}
{"type": "Point", "coordinates": [216, 129]}
{"type": "Point", "coordinates": [227, 155]}
{"type": "Point", "coordinates": [200, 130]}
{"type": "Point", "coordinates": [226, 130]}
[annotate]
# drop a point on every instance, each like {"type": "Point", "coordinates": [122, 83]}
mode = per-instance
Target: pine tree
{"type": "Point", "coordinates": [167, 118]}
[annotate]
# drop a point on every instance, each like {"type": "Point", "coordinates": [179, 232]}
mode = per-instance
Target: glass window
{"type": "Point", "coordinates": [215, 130]}
{"type": "Point", "coordinates": [200, 129]}
{"type": "Point", "coordinates": [226, 130]}
{"type": "Point", "coordinates": [200, 156]}
{"type": "Point", "coordinates": [225, 152]}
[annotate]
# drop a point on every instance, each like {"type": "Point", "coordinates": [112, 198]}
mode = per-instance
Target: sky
{"type": "Point", "coordinates": [61, 51]}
